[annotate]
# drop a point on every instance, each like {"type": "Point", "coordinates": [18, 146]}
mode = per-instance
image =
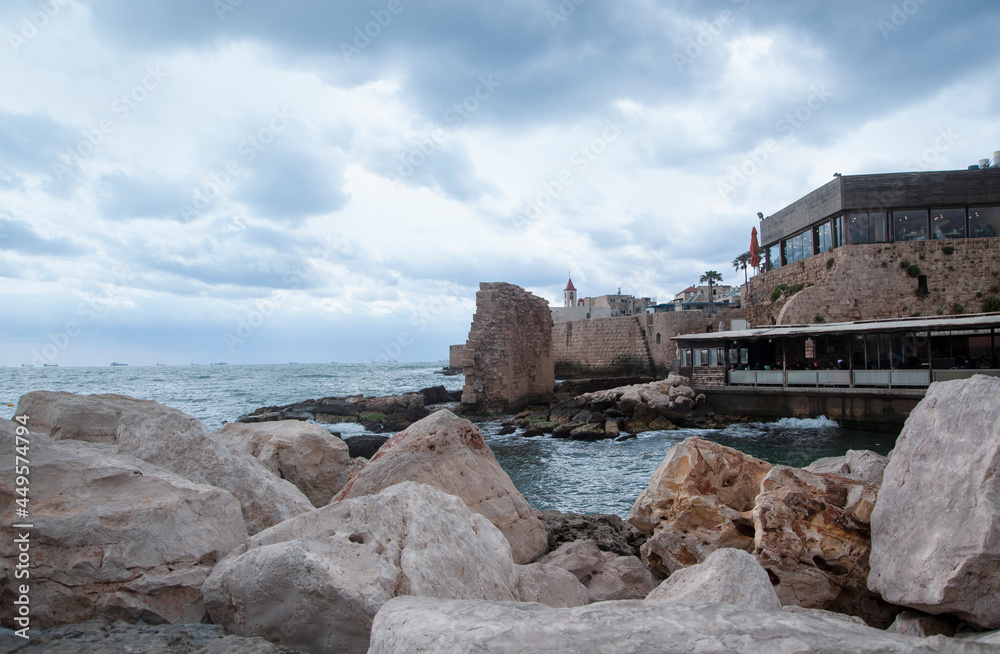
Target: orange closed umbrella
{"type": "Point", "coordinates": [754, 250]}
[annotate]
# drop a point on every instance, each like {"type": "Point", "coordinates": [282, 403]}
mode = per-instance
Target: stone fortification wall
{"type": "Point", "coordinates": [508, 358]}
{"type": "Point", "coordinates": [455, 355]}
{"type": "Point", "coordinates": [865, 282]}
{"type": "Point", "coordinates": [626, 345]}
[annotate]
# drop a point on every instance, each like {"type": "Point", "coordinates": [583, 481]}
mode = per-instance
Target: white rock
{"type": "Point", "coordinates": [415, 624]}
{"type": "Point", "coordinates": [550, 585]}
{"type": "Point", "coordinates": [936, 523]}
{"type": "Point", "coordinates": [727, 576]}
{"type": "Point", "coordinates": [448, 452]}
{"type": "Point", "coordinates": [113, 537]}
{"type": "Point", "coordinates": [315, 582]}
{"type": "Point", "coordinates": [305, 454]}
{"type": "Point", "coordinates": [170, 439]}
{"type": "Point", "coordinates": [863, 465]}
{"type": "Point", "coordinates": [606, 575]}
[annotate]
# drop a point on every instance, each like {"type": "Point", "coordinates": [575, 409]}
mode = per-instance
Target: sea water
{"type": "Point", "coordinates": [600, 477]}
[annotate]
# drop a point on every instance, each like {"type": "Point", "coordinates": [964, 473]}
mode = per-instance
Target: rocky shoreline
{"type": "Point", "coordinates": [271, 531]}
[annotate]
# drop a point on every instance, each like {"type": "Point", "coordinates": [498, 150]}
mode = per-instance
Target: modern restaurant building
{"type": "Point", "coordinates": [884, 208]}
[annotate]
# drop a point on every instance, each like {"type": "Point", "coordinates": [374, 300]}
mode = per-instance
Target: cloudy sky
{"type": "Point", "coordinates": [250, 181]}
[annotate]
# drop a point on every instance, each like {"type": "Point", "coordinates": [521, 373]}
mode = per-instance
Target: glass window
{"type": "Point", "coordinates": [984, 221]}
{"type": "Point", "coordinates": [704, 358]}
{"type": "Point", "coordinates": [878, 230]}
{"type": "Point", "coordinates": [823, 238]}
{"type": "Point", "coordinates": [948, 223]}
{"type": "Point", "coordinates": [774, 256]}
{"type": "Point", "coordinates": [799, 247]}
{"type": "Point", "coordinates": [909, 225]}
{"type": "Point", "coordinates": [857, 227]}
{"type": "Point", "coordinates": [838, 231]}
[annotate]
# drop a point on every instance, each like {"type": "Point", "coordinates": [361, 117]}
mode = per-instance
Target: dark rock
{"type": "Point", "coordinates": [260, 417]}
{"type": "Point", "coordinates": [296, 415]}
{"type": "Point", "coordinates": [532, 432]}
{"type": "Point", "coordinates": [624, 437]}
{"type": "Point", "coordinates": [435, 395]}
{"type": "Point", "coordinates": [365, 445]}
{"type": "Point", "coordinates": [333, 406]}
{"type": "Point", "coordinates": [609, 531]}
{"type": "Point", "coordinates": [96, 636]}
{"type": "Point", "coordinates": [510, 429]}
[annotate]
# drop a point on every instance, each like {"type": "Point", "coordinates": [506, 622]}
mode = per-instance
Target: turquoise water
{"type": "Point", "coordinates": [601, 477]}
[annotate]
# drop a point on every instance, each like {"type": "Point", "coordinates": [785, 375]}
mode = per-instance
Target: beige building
{"type": "Point", "coordinates": [602, 306]}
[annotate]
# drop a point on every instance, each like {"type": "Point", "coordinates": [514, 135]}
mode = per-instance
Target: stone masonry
{"type": "Point", "coordinates": [508, 357]}
{"type": "Point", "coordinates": [867, 282]}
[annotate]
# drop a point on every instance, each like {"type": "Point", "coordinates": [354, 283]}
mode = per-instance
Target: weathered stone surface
{"type": "Point", "coordinates": [936, 525]}
{"type": "Point", "coordinates": [727, 576]}
{"type": "Point", "coordinates": [909, 623]}
{"type": "Point", "coordinates": [812, 536]}
{"type": "Point", "coordinates": [606, 576]}
{"type": "Point", "coordinates": [414, 624]}
{"type": "Point", "coordinates": [608, 531]}
{"type": "Point", "coordinates": [307, 455]}
{"type": "Point", "coordinates": [316, 581]}
{"type": "Point", "coordinates": [448, 452]}
{"type": "Point", "coordinates": [113, 537]}
{"type": "Point", "coordinates": [698, 500]}
{"type": "Point", "coordinates": [170, 439]}
{"type": "Point", "coordinates": [365, 445]}
{"type": "Point", "coordinates": [98, 637]}
{"type": "Point", "coordinates": [863, 465]}
{"type": "Point", "coordinates": [550, 585]}
{"type": "Point", "coordinates": [508, 357]}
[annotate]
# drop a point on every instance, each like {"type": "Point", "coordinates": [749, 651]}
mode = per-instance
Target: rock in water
{"type": "Point", "coordinates": [698, 500]}
{"type": "Point", "coordinates": [449, 452]}
{"type": "Point", "coordinates": [113, 537]}
{"type": "Point", "coordinates": [305, 454]}
{"type": "Point", "coordinates": [727, 576]}
{"type": "Point", "coordinates": [863, 465]}
{"type": "Point", "coordinates": [936, 525]}
{"type": "Point", "coordinates": [812, 536]}
{"type": "Point", "coordinates": [170, 439]}
{"type": "Point", "coordinates": [417, 624]}
{"type": "Point", "coordinates": [316, 581]}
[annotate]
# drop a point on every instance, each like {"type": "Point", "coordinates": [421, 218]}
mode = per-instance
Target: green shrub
{"type": "Point", "coordinates": [991, 304]}
{"type": "Point", "coordinates": [922, 292]}
{"type": "Point", "coordinates": [912, 269]}
{"type": "Point", "coordinates": [777, 291]}
{"type": "Point", "coordinates": [957, 308]}
{"type": "Point", "coordinates": [995, 289]}
{"type": "Point", "coordinates": [830, 262]}
{"type": "Point", "coordinates": [795, 288]}
{"type": "Point", "coordinates": [904, 264]}
{"type": "Point", "coordinates": [819, 318]}
{"type": "Point", "coordinates": [948, 249]}
{"type": "Point", "coordinates": [885, 264]}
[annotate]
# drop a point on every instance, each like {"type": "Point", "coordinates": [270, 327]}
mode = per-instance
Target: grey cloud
{"type": "Point", "coordinates": [18, 236]}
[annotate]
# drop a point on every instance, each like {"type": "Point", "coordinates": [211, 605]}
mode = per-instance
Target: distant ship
{"type": "Point", "coordinates": [50, 365]}
{"type": "Point", "coordinates": [220, 363]}
{"type": "Point", "coordinates": [161, 364]}
{"type": "Point", "coordinates": [115, 363]}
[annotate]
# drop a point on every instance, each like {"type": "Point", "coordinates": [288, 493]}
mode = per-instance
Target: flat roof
{"type": "Point", "coordinates": [948, 323]}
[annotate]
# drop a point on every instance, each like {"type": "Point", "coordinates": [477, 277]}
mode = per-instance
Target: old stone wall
{"type": "Point", "coordinates": [508, 358]}
{"type": "Point", "coordinates": [866, 282]}
{"type": "Point", "coordinates": [455, 354]}
{"type": "Point", "coordinates": [627, 345]}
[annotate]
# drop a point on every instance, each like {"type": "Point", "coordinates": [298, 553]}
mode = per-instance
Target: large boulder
{"type": "Point", "coordinates": [812, 536]}
{"type": "Point", "coordinates": [112, 536]}
{"type": "Point", "coordinates": [550, 585]}
{"type": "Point", "coordinates": [449, 452]}
{"type": "Point", "coordinates": [316, 581]}
{"type": "Point", "coordinates": [170, 439]}
{"type": "Point", "coordinates": [936, 525]}
{"type": "Point", "coordinates": [416, 624]}
{"type": "Point", "coordinates": [727, 576]}
{"type": "Point", "coordinates": [698, 500]}
{"type": "Point", "coordinates": [305, 454]}
{"type": "Point", "coordinates": [605, 575]}
{"type": "Point", "coordinates": [863, 465]}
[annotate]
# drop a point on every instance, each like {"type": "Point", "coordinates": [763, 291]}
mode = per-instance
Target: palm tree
{"type": "Point", "coordinates": [711, 278]}
{"type": "Point", "coordinates": [742, 262]}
